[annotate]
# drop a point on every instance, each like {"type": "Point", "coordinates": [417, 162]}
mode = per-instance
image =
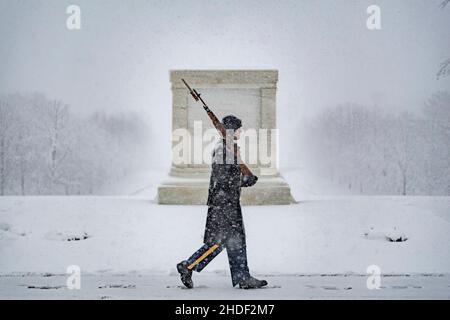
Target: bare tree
{"type": "Point", "coordinates": [444, 69]}
{"type": "Point", "coordinates": [444, 3]}
{"type": "Point", "coordinates": [59, 115]}
{"type": "Point", "coordinates": [5, 127]}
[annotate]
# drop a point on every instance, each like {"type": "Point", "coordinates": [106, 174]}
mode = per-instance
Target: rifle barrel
{"type": "Point", "coordinates": [219, 126]}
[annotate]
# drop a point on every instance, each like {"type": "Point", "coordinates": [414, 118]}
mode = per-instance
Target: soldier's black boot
{"type": "Point", "coordinates": [252, 283]}
{"type": "Point", "coordinates": [185, 274]}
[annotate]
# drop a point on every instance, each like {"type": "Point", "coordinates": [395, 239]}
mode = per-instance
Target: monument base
{"type": "Point", "coordinates": [194, 191]}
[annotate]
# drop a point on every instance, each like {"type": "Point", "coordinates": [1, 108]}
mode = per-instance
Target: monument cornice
{"type": "Point", "coordinates": [255, 78]}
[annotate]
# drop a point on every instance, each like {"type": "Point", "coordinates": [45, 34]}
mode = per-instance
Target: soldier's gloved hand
{"type": "Point", "coordinates": [248, 181]}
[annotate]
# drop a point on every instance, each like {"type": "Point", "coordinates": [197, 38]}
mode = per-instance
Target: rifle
{"type": "Point", "coordinates": [220, 127]}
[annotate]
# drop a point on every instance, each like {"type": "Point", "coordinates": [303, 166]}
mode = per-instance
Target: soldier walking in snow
{"type": "Point", "coordinates": [224, 223]}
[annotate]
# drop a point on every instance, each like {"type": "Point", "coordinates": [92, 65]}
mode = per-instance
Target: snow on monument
{"type": "Point", "coordinates": [247, 94]}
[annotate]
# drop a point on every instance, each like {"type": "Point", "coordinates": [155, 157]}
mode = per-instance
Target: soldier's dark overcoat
{"type": "Point", "coordinates": [224, 223]}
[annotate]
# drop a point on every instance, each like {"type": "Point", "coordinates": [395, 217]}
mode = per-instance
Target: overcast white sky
{"type": "Point", "coordinates": [120, 59]}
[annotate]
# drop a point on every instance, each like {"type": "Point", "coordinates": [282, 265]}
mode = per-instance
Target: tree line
{"type": "Point", "coordinates": [46, 149]}
{"type": "Point", "coordinates": [370, 151]}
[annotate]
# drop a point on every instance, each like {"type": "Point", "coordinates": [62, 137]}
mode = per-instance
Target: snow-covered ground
{"type": "Point", "coordinates": [322, 235]}
{"type": "Point", "coordinates": [218, 286]}
{"type": "Point", "coordinates": [318, 243]}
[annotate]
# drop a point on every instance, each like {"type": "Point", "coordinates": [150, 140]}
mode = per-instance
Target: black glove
{"type": "Point", "coordinates": [248, 181]}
